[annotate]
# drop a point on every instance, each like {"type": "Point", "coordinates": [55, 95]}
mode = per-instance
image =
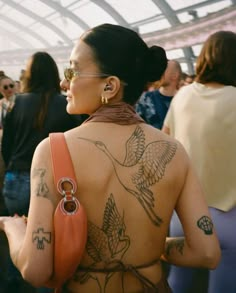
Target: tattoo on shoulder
{"type": "Point", "coordinates": [206, 225]}
{"type": "Point", "coordinates": [40, 237]}
{"type": "Point", "coordinates": [177, 244]}
{"type": "Point", "coordinates": [42, 188]}
{"type": "Point", "coordinates": [144, 165]}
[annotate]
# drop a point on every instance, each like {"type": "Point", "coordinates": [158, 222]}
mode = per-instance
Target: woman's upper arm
{"type": "Point", "coordinates": [37, 250]}
{"type": "Point", "coordinates": [194, 215]}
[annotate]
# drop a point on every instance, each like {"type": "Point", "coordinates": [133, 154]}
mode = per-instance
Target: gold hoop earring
{"type": "Point", "coordinates": [104, 100]}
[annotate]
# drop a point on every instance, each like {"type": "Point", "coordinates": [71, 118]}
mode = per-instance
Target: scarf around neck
{"type": "Point", "coordinates": [120, 113]}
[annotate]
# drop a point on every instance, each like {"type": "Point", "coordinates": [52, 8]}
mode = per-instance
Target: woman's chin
{"type": "Point", "coordinates": [70, 109]}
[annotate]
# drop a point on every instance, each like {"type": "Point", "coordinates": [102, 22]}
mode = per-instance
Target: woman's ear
{"type": "Point", "coordinates": [111, 87]}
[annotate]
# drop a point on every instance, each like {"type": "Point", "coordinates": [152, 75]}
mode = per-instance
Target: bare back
{"type": "Point", "coordinates": [129, 197]}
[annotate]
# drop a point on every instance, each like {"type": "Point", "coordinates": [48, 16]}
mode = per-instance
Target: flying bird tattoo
{"type": "Point", "coordinates": [143, 166]}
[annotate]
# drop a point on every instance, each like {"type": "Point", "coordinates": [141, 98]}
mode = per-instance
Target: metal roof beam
{"type": "Point", "coordinates": [14, 38]}
{"type": "Point", "coordinates": [111, 11]}
{"type": "Point", "coordinates": [25, 29]}
{"type": "Point", "coordinates": [65, 12]}
{"type": "Point", "coordinates": [173, 20]}
{"type": "Point", "coordinates": [39, 19]}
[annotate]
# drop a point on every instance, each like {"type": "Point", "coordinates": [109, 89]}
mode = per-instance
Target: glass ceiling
{"type": "Point", "coordinates": [180, 26]}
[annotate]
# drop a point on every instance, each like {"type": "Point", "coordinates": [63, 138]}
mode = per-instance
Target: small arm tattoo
{"type": "Point", "coordinates": [42, 188]}
{"type": "Point", "coordinates": [177, 244]}
{"type": "Point", "coordinates": [206, 225]}
{"type": "Point", "coordinates": [41, 237]}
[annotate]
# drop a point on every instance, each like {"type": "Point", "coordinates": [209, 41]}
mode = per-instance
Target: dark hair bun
{"type": "Point", "coordinates": [155, 63]}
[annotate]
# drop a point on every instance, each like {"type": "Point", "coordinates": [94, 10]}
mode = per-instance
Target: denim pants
{"type": "Point", "coordinates": [16, 192]}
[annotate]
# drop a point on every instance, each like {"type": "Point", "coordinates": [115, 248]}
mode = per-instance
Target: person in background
{"type": "Point", "coordinates": [5, 92]}
{"type": "Point", "coordinates": [186, 79]}
{"type": "Point", "coordinates": [131, 177]}
{"type": "Point", "coordinates": [153, 105]}
{"type": "Point", "coordinates": [2, 73]}
{"type": "Point", "coordinates": [39, 110]}
{"type": "Point", "coordinates": [189, 79]}
{"type": "Point", "coordinates": [17, 86]}
{"type": "Point", "coordinates": [202, 118]}
{"type": "Point", "coordinates": [8, 90]}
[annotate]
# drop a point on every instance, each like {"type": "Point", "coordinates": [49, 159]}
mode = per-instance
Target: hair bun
{"type": "Point", "coordinates": [155, 63]}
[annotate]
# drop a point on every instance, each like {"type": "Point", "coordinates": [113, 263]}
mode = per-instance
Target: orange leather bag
{"type": "Point", "coordinates": [70, 221]}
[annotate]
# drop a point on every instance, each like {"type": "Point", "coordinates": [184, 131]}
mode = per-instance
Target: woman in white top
{"type": "Point", "coordinates": [202, 117]}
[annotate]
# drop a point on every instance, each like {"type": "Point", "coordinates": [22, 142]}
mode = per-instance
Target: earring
{"type": "Point", "coordinates": [107, 87]}
{"type": "Point", "coordinates": [104, 100]}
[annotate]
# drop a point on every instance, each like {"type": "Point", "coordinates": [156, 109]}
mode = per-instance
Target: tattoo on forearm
{"type": "Point", "coordinates": [206, 225]}
{"type": "Point", "coordinates": [42, 188]}
{"type": "Point", "coordinates": [177, 244]}
{"type": "Point", "coordinates": [144, 165]}
{"type": "Point", "coordinates": [40, 238]}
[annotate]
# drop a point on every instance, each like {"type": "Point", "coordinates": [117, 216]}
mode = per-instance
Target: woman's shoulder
{"type": "Point", "coordinates": [168, 142]}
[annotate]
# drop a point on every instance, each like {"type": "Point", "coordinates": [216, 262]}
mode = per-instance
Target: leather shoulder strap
{"type": "Point", "coordinates": [63, 169]}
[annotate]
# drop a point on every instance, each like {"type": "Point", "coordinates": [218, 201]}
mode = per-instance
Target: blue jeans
{"type": "Point", "coordinates": [16, 192]}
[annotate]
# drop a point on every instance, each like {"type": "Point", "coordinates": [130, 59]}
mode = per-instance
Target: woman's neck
{"type": "Point", "coordinates": [119, 113]}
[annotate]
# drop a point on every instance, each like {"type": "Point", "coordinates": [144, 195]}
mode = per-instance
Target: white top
{"type": "Point", "coordinates": [203, 119]}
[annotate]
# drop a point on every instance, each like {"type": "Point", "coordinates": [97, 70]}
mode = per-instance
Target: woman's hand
{"type": "Point", "coordinates": [16, 221]}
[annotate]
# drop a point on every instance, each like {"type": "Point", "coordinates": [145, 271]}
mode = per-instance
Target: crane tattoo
{"type": "Point", "coordinates": [143, 166]}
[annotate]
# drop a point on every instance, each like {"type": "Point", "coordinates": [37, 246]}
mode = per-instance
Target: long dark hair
{"type": "Point", "coordinates": [122, 52]}
{"type": "Point", "coordinates": [41, 76]}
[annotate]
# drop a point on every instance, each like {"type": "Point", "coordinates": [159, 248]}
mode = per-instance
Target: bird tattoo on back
{"type": "Point", "coordinates": [143, 166]}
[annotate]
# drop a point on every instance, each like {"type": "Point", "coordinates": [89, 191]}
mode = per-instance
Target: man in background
{"type": "Point", "coordinates": [153, 105]}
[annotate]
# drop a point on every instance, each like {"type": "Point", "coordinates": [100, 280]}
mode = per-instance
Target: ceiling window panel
{"type": "Point", "coordinates": [5, 42]}
{"type": "Point", "coordinates": [73, 31]}
{"type": "Point", "coordinates": [135, 10]}
{"type": "Point", "coordinates": [205, 10]}
{"type": "Point", "coordinates": [179, 4]}
{"type": "Point", "coordinates": [52, 38]}
{"type": "Point", "coordinates": [197, 49]}
{"type": "Point", "coordinates": [8, 26]}
{"type": "Point", "coordinates": [66, 3]}
{"type": "Point", "coordinates": [16, 15]}
{"type": "Point", "coordinates": [175, 54]}
{"type": "Point", "coordinates": [185, 17]}
{"type": "Point", "coordinates": [92, 14]}
{"type": "Point", "coordinates": [154, 26]}
{"type": "Point", "coordinates": [184, 67]}
{"type": "Point", "coordinates": [37, 6]}
{"type": "Point", "coordinates": [30, 39]}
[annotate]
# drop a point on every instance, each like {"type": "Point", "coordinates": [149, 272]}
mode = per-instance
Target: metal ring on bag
{"type": "Point", "coordinates": [63, 180]}
{"type": "Point", "coordinates": [69, 204]}
{"type": "Point", "coordinates": [69, 207]}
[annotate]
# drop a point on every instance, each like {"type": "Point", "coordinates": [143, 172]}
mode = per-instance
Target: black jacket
{"type": "Point", "coordinates": [20, 137]}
